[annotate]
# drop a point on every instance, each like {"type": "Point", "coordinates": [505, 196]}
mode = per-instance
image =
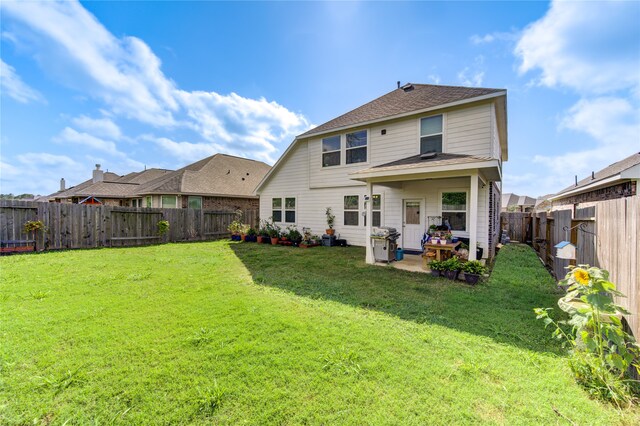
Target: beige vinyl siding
{"type": "Point", "coordinates": [468, 131]}
{"type": "Point", "coordinates": [495, 138]}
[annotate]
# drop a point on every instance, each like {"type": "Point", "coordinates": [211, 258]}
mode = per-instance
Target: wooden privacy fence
{"type": "Point", "coordinates": [517, 225]}
{"type": "Point", "coordinates": [74, 226]}
{"type": "Point", "coordinates": [606, 236]}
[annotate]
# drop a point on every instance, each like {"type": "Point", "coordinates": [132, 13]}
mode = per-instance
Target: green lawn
{"type": "Point", "coordinates": [237, 333]}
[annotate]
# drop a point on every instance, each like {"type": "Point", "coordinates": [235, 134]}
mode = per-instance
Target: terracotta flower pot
{"type": "Point", "coordinates": [274, 241]}
{"type": "Point", "coordinates": [330, 231]}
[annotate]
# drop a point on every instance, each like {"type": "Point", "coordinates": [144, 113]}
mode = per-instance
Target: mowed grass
{"type": "Point", "coordinates": [235, 333]}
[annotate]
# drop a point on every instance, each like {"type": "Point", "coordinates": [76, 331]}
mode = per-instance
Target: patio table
{"type": "Point", "coordinates": [440, 248]}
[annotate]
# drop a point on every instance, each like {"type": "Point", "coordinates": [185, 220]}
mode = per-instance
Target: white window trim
{"type": "Point", "coordinates": [444, 133]}
{"type": "Point", "coordinates": [285, 210]}
{"type": "Point", "coordinates": [281, 210]}
{"type": "Point", "coordinates": [162, 203]}
{"type": "Point", "coordinates": [322, 152]}
{"type": "Point", "coordinates": [466, 191]}
{"type": "Point", "coordinates": [358, 210]}
{"type": "Point", "coordinates": [343, 150]}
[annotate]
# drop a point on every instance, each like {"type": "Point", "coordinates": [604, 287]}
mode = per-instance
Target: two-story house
{"type": "Point", "coordinates": [417, 156]}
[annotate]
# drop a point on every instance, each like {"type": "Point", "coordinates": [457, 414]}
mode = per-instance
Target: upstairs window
{"type": "Point", "coordinates": [276, 209]}
{"type": "Point", "coordinates": [356, 148]}
{"type": "Point", "coordinates": [454, 210]}
{"type": "Point", "coordinates": [290, 210]}
{"type": "Point", "coordinates": [431, 134]}
{"type": "Point", "coordinates": [351, 214]}
{"type": "Point", "coordinates": [331, 151]}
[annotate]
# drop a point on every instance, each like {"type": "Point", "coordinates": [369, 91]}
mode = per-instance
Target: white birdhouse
{"type": "Point", "coordinates": [565, 250]}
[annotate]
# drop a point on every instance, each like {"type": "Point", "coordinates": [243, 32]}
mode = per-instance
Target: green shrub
{"type": "Point", "coordinates": [452, 264]}
{"type": "Point", "coordinates": [474, 267]}
{"type": "Point", "coordinates": [163, 227]}
{"type": "Point", "coordinates": [602, 353]}
{"type": "Point", "coordinates": [436, 265]}
{"type": "Point", "coordinates": [34, 226]}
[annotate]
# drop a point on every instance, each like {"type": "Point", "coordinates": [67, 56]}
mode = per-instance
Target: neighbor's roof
{"type": "Point", "coordinates": [112, 186]}
{"type": "Point", "coordinates": [509, 199]}
{"type": "Point", "coordinates": [401, 101]}
{"type": "Point", "coordinates": [602, 176]}
{"type": "Point", "coordinates": [220, 175]}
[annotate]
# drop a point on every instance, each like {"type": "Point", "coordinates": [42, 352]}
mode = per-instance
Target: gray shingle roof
{"type": "Point", "coordinates": [399, 101]}
{"type": "Point", "coordinates": [414, 161]}
{"type": "Point", "coordinates": [219, 174]}
{"type": "Point", "coordinates": [608, 171]}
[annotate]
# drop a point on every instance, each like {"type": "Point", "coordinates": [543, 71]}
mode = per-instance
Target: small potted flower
{"type": "Point", "coordinates": [252, 235]}
{"type": "Point", "coordinates": [234, 228]}
{"type": "Point", "coordinates": [473, 270]}
{"type": "Point", "coordinates": [244, 230]}
{"type": "Point", "coordinates": [294, 235]}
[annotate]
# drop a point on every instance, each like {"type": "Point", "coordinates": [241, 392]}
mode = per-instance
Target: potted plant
{"type": "Point", "coordinates": [252, 235]}
{"type": "Point", "coordinates": [451, 268]}
{"type": "Point", "coordinates": [234, 228]}
{"type": "Point", "coordinates": [294, 235]}
{"type": "Point", "coordinates": [244, 230]}
{"type": "Point", "coordinates": [472, 271]}
{"type": "Point", "coordinates": [479, 251]}
{"type": "Point", "coordinates": [32, 227]}
{"type": "Point", "coordinates": [436, 267]}
{"type": "Point", "coordinates": [331, 219]}
{"type": "Point", "coordinates": [274, 234]}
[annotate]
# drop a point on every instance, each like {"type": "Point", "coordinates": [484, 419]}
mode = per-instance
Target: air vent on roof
{"type": "Point", "coordinates": [428, 155]}
{"type": "Point", "coordinates": [407, 87]}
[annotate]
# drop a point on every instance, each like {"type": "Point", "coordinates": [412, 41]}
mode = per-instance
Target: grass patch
{"type": "Point", "coordinates": [243, 333]}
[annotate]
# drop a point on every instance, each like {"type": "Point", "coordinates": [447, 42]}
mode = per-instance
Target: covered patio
{"type": "Point", "coordinates": [398, 179]}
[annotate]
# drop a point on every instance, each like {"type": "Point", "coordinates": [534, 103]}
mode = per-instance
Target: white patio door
{"type": "Point", "coordinates": [412, 223]}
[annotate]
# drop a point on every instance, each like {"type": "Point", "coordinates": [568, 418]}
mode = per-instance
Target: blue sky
{"type": "Point", "coordinates": [163, 84]}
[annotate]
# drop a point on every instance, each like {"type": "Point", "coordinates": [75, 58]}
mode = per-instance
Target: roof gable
{"type": "Point", "coordinates": [402, 101]}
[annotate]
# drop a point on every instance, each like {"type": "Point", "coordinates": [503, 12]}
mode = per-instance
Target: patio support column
{"type": "Point", "coordinates": [367, 238]}
{"type": "Point", "coordinates": [473, 215]}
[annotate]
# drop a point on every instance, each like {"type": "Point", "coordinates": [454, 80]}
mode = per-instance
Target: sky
{"type": "Point", "coordinates": [131, 85]}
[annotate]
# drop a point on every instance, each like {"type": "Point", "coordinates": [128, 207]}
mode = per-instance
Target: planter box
{"type": "Point", "coordinates": [471, 278]}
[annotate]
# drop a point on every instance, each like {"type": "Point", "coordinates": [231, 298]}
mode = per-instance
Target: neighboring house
{"type": "Point", "coordinates": [219, 182]}
{"type": "Point", "coordinates": [419, 155]}
{"type": "Point", "coordinates": [615, 181]}
{"type": "Point", "coordinates": [517, 203]}
{"type": "Point", "coordinates": [107, 188]}
{"type": "Point", "coordinates": [543, 203]}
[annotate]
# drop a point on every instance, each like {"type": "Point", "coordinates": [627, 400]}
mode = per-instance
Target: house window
{"type": "Point", "coordinates": [454, 210]}
{"type": "Point", "coordinates": [276, 209]}
{"type": "Point", "coordinates": [290, 210]}
{"type": "Point", "coordinates": [356, 148]}
{"type": "Point", "coordinates": [331, 151]}
{"type": "Point", "coordinates": [431, 134]}
{"type": "Point", "coordinates": [351, 203]}
{"type": "Point", "coordinates": [148, 201]}
{"type": "Point", "coordinates": [376, 207]}
{"type": "Point", "coordinates": [195, 202]}
{"type": "Point", "coordinates": [169, 201]}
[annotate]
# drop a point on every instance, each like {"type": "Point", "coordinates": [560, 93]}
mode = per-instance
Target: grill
{"type": "Point", "coordinates": [384, 241]}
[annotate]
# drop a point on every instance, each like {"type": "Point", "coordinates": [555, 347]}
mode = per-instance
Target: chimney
{"type": "Point", "coordinates": [62, 185]}
{"type": "Point", "coordinates": [98, 175]}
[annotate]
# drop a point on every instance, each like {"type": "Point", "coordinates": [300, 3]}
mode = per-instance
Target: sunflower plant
{"type": "Point", "coordinates": [603, 354]}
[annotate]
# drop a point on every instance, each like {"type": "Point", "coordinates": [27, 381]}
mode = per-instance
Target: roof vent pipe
{"type": "Point", "coordinates": [593, 175]}
{"type": "Point", "coordinates": [576, 180]}
{"type": "Point", "coordinates": [398, 84]}
{"type": "Point", "coordinates": [62, 184]}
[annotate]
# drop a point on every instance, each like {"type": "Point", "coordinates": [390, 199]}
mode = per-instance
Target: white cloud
{"type": "Point", "coordinates": [495, 36]}
{"type": "Point", "coordinates": [87, 140]}
{"type": "Point", "coordinates": [471, 78]}
{"type": "Point", "coordinates": [12, 85]}
{"type": "Point", "coordinates": [186, 152]}
{"type": "Point", "coordinates": [609, 120]}
{"type": "Point", "coordinates": [98, 126]}
{"type": "Point", "coordinates": [126, 75]}
{"type": "Point", "coordinates": [434, 79]}
{"type": "Point", "coordinates": [39, 173]}
{"type": "Point", "coordinates": [591, 47]}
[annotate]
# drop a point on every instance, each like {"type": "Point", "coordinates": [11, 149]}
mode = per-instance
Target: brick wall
{"type": "Point", "coordinates": [620, 190]}
{"type": "Point", "coordinates": [226, 203]}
